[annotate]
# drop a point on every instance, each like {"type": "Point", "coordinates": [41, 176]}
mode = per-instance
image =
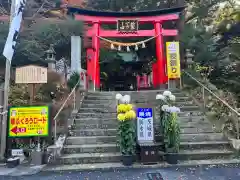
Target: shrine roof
{"type": "Point", "coordinates": [159, 12]}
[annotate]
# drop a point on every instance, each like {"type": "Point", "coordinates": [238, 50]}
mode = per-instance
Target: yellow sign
{"type": "Point", "coordinates": [28, 121]}
{"type": "Point", "coordinates": [173, 60]}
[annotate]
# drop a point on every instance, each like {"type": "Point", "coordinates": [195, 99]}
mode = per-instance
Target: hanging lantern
{"type": "Point", "coordinates": [143, 45]}
{"type": "Point", "coordinates": [119, 48]}
{"type": "Point", "coordinates": [128, 48]}
{"type": "Point", "coordinates": [136, 47]}
{"type": "Point", "coordinates": [112, 46]}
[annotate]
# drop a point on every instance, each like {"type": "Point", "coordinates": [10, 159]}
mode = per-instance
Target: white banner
{"type": "Point", "coordinates": [76, 50]}
{"type": "Point", "coordinates": [14, 29]}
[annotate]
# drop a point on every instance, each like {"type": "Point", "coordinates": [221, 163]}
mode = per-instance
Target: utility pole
{"type": "Point", "coordinates": [6, 92]}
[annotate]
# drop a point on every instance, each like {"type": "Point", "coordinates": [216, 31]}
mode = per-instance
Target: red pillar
{"type": "Point", "coordinates": [154, 75]}
{"type": "Point", "coordinates": [159, 53]}
{"type": "Point", "coordinates": [90, 56]}
{"type": "Point", "coordinates": [96, 46]}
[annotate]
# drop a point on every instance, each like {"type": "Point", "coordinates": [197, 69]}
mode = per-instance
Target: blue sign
{"type": "Point", "coordinates": [144, 112]}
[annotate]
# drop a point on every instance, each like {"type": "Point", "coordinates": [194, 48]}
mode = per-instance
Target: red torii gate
{"type": "Point", "coordinates": [96, 18]}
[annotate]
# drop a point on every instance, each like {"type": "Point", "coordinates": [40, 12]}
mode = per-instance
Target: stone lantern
{"type": "Point", "coordinates": [189, 58]}
{"type": "Point", "coordinates": [51, 58]}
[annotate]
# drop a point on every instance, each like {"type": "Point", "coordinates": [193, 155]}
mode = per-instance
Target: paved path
{"type": "Point", "coordinates": [200, 173]}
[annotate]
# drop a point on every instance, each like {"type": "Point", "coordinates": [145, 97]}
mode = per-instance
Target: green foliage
{"type": "Point", "coordinates": [34, 41]}
{"type": "Point", "coordinates": [127, 137]}
{"type": "Point", "coordinates": [18, 95]}
{"type": "Point", "coordinates": [171, 132]}
{"type": "Point", "coordinates": [73, 80]}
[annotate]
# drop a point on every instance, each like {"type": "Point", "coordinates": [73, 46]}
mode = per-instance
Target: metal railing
{"type": "Point", "coordinates": [207, 102]}
{"type": "Point", "coordinates": [68, 106]}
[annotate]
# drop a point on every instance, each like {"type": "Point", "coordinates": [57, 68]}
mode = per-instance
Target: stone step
{"type": "Point", "coordinates": [90, 158]}
{"type": "Point", "coordinates": [190, 113]}
{"type": "Point", "coordinates": [112, 147]}
{"type": "Point", "coordinates": [106, 99]}
{"type": "Point", "coordinates": [112, 109]}
{"type": "Point", "coordinates": [203, 145]}
{"type": "Point", "coordinates": [102, 93]}
{"type": "Point", "coordinates": [107, 120]}
{"type": "Point", "coordinates": [131, 93]}
{"type": "Point", "coordinates": [95, 126]}
{"type": "Point", "coordinates": [99, 110]}
{"type": "Point", "coordinates": [93, 97]}
{"type": "Point", "coordinates": [103, 105]}
{"type": "Point", "coordinates": [79, 158]}
{"type": "Point", "coordinates": [197, 124]}
{"type": "Point", "coordinates": [195, 130]}
{"type": "Point", "coordinates": [94, 132]}
{"type": "Point", "coordinates": [200, 126]}
{"type": "Point", "coordinates": [114, 114]}
{"type": "Point", "coordinates": [193, 119]}
{"type": "Point", "coordinates": [92, 104]}
{"type": "Point", "coordinates": [80, 140]}
{"type": "Point", "coordinates": [96, 115]}
{"type": "Point", "coordinates": [191, 130]}
{"type": "Point", "coordinates": [155, 91]}
{"type": "Point", "coordinates": [179, 99]}
{"type": "Point", "coordinates": [150, 91]}
{"type": "Point", "coordinates": [189, 108]}
{"type": "Point", "coordinates": [95, 120]}
{"type": "Point", "coordinates": [91, 148]}
{"type": "Point", "coordinates": [202, 154]}
{"type": "Point", "coordinates": [198, 137]}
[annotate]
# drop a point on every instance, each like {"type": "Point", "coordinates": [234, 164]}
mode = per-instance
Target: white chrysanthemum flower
{"type": "Point", "coordinates": [160, 97]}
{"type": "Point", "coordinates": [165, 107]}
{"type": "Point", "coordinates": [126, 99]}
{"type": "Point", "coordinates": [122, 100]}
{"type": "Point", "coordinates": [167, 93]}
{"type": "Point", "coordinates": [174, 109]}
{"type": "Point", "coordinates": [118, 96]}
{"type": "Point", "coordinates": [172, 97]}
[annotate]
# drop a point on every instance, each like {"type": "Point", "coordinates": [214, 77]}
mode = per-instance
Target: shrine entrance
{"type": "Point", "coordinates": [127, 25]}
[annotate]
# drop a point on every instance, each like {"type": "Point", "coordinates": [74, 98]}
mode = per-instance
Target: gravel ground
{"type": "Point", "coordinates": [194, 173]}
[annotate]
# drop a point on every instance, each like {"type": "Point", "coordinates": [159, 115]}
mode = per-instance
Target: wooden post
{"type": "Point", "coordinates": [32, 89]}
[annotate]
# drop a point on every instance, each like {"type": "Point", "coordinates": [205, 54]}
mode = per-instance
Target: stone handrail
{"type": "Point", "coordinates": [219, 105]}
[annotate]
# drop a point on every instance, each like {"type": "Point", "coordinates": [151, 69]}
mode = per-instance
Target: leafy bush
{"type": "Point", "coordinates": [171, 132]}
{"type": "Point", "coordinates": [73, 80]}
{"type": "Point", "coordinates": [126, 129]}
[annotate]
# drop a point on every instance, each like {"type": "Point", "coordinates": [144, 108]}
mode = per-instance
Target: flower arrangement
{"type": "Point", "coordinates": [169, 124]}
{"type": "Point", "coordinates": [126, 129]}
{"type": "Point", "coordinates": [171, 129]}
{"type": "Point", "coordinates": [165, 99]}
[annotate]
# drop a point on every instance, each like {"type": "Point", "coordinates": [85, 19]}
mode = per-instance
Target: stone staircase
{"type": "Point", "coordinates": [93, 139]}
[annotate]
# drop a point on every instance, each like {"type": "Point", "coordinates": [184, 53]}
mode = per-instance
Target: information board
{"type": "Point", "coordinates": [28, 121]}
{"type": "Point", "coordinates": [173, 60]}
{"type": "Point", "coordinates": [145, 124]}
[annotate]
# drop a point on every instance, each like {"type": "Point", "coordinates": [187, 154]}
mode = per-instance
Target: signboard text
{"type": "Point", "coordinates": [28, 121]}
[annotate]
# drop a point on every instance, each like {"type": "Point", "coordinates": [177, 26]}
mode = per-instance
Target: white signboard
{"type": "Point", "coordinates": [17, 152]}
{"type": "Point", "coordinates": [145, 131]}
{"type": "Point", "coordinates": [14, 30]}
{"type": "Point", "coordinates": [76, 54]}
{"type": "Point", "coordinates": [31, 75]}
